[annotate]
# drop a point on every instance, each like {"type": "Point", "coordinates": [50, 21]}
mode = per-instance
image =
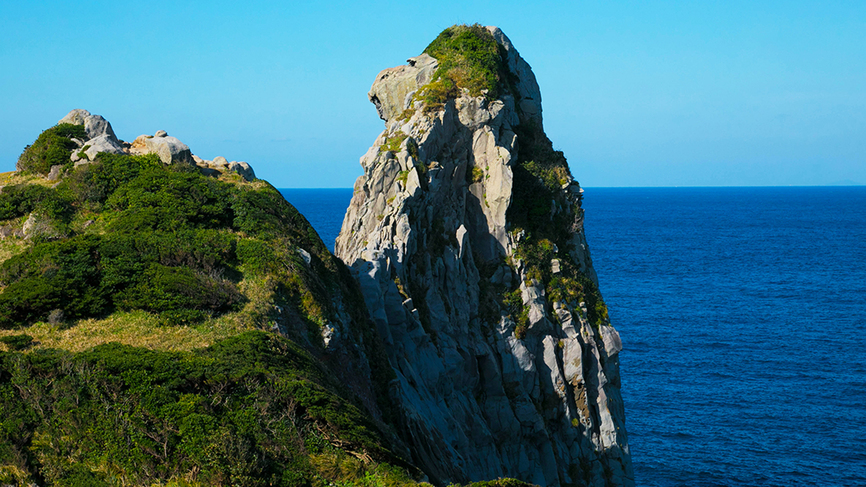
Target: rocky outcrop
{"type": "Point", "coordinates": [465, 233]}
{"type": "Point", "coordinates": [101, 143]}
{"type": "Point", "coordinates": [394, 87]}
{"type": "Point", "coordinates": [169, 149]}
{"type": "Point", "coordinates": [220, 165]}
{"type": "Point", "coordinates": [94, 125]}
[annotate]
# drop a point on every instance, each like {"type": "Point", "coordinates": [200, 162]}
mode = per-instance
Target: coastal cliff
{"type": "Point", "coordinates": [466, 235]}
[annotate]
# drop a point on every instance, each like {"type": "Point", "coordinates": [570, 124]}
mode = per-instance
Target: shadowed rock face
{"type": "Point", "coordinates": [429, 237]}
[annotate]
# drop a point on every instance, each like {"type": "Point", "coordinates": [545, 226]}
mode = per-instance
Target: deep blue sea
{"type": "Point", "coordinates": [743, 316]}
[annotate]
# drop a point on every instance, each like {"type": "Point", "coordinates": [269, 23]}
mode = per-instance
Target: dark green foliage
{"type": "Point", "coordinates": [93, 183]}
{"type": "Point", "coordinates": [170, 249]}
{"type": "Point", "coordinates": [242, 412]}
{"type": "Point", "coordinates": [17, 342]}
{"type": "Point", "coordinates": [538, 178]}
{"type": "Point", "coordinates": [501, 483]}
{"type": "Point", "coordinates": [470, 58]}
{"type": "Point", "coordinates": [181, 293]}
{"type": "Point", "coordinates": [52, 147]}
{"type": "Point", "coordinates": [158, 199]}
{"type": "Point", "coordinates": [56, 275]}
{"type": "Point", "coordinates": [20, 199]}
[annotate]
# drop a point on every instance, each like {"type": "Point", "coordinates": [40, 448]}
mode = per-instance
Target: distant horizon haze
{"type": "Point", "coordinates": [650, 94]}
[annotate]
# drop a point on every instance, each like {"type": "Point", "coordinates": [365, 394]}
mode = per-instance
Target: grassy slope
{"type": "Point", "coordinates": [134, 305]}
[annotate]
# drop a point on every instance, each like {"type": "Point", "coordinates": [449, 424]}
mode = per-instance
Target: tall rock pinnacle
{"type": "Point", "coordinates": [466, 235]}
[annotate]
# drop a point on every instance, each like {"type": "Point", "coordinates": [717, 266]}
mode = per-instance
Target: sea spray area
{"type": "Point", "coordinates": [742, 320]}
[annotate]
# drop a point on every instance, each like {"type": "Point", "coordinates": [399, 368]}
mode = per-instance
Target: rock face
{"type": "Point", "coordinates": [474, 266]}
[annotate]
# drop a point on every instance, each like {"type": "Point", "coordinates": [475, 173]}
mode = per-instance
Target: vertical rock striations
{"type": "Point", "coordinates": [466, 235]}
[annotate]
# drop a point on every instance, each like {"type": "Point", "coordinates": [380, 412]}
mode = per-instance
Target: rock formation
{"type": "Point", "coordinates": [466, 235]}
{"type": "Point", "coordinates": [169, 149]}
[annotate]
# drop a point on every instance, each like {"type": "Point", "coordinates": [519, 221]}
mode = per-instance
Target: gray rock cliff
{"type": "Point", "coordinates": [472, 259]}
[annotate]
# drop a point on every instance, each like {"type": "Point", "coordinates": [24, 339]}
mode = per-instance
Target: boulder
{"type": "Point", "coordinates": [75, 117]}
{"type": "Point", "coordinates": [169, 149]}
{"type": "Point", "coordinates": [94, 125]}
{"type": "Point", "coordinates": [242, 168]}
{"type": "Point", "coordinates": [54, 174]}
{"type": "Point", "coordinates": [103, 143]}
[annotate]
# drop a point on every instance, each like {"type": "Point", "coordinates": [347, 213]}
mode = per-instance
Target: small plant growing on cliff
{"type": "Point", "coordinates": [474, 175]}
{"type": "Point", "coordinates": [393, 143]}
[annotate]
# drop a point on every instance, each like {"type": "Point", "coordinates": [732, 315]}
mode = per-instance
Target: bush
{"type": "Point", "coordinates": [53, 147]}
{"type": "Point", "coordinates": [238, 413]}
{"type": "Point", "coordinates": [163, 289]}
{"type": "Point", "coordinates": [20, 199]}
{"type": "Point", "coordinates": [17, 342]}
{"type": "Point", "coordinates": [469, 57]}
{"type": "Point", "coordinates": [167, 200]}
{"type": "Point", "coordinates": [97, 181]}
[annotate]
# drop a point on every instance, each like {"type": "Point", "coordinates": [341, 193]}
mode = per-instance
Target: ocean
{"type": "Point", "coordinates": [743, 318]}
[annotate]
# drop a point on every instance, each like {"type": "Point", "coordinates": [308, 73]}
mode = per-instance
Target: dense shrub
{"type": "Point", "coordinates": [167, 200]}
{"type": "Point", "coordinates": [52, 147]}
{"type": "Point", "coordinates": [20, 199]}
{"type": "Point", "coordinates": [57, 275]}
{"type": "Point", "coordinates": [95, 182]}
{"type": "Point", "coordinates": [17, 342]}
{"type": "Point", "coordinates": [469, 57]}
{"type": "Point", "coordinates": [247, 411]}
{"type": "Point", "coordinates": [162, 289]}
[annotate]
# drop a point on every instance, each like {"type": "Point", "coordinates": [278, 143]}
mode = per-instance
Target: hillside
{"type": "Point", "coordinates": [169, 320]}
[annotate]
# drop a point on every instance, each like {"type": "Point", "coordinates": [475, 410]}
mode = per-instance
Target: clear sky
{"type": "Point", "coordinates": [649, 93]}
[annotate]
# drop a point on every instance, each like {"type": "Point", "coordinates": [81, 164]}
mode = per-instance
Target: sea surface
{"type": "Point", "coordinates": [743, 317]}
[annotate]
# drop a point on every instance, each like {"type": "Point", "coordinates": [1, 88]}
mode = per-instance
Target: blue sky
{"type": "Point", "coordinates": [635, 93]}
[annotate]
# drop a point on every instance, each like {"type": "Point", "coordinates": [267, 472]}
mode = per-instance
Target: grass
{"type": "Point", "coordinates": [470, 58]}
{"type": "Point", "coordinates": [393, 143]}
{"type": "Point", "coordinates": [134, 328]}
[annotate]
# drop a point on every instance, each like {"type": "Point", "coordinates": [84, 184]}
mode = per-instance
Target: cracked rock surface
{"type": "Point", "coordinates": [429, 237]}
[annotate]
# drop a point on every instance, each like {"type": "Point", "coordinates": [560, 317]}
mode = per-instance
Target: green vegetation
{"type": "Point", "coordinates": [541, 210]}
{"type": "Point", "coordinates": [167, 241]}
{"type": "Point", "coordinates": [17, 342]}
{"type": "Point", "coordinates": [140, 366]}
{"type": "Point", "coordinates": [474, 175]}
{"type": "Point", "coordinates": [53, 147]}
{"type": "Point", "coordinates": [253, 409]}
{"type": "Point", "coordinates": [469, 57]}
{"type": "Point", "coordinates": [393, 143]}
